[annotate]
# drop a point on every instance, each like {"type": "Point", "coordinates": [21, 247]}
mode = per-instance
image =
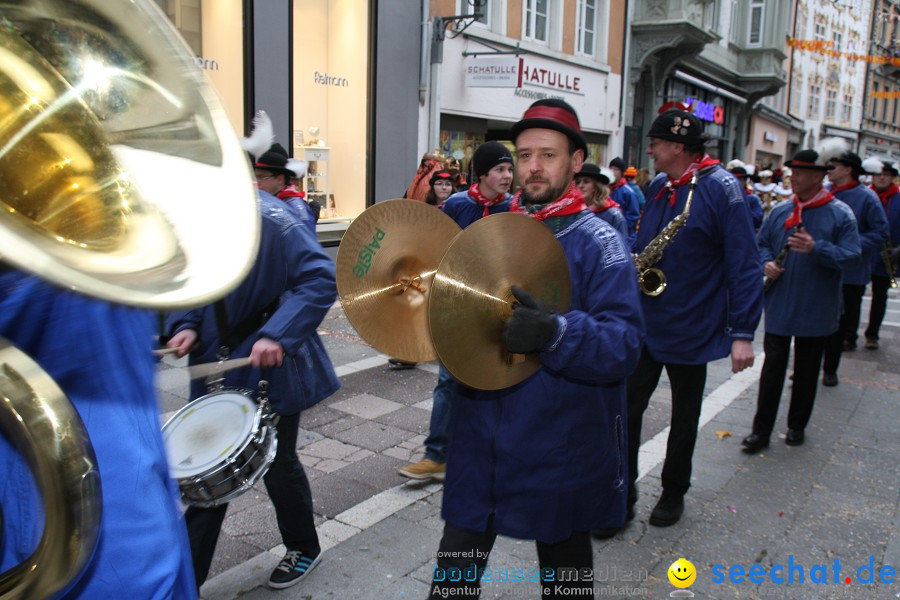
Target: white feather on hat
{"type": "Point", "coordinates": [751, 169]}
{"type": "Point", "coordinates": [786, 171]}
{"type": "Point", "coordinates": [297, 167]}
{"type": "Point", "coordinates": [262, 136]}
{"type": "Point", "coordinates": [831, 148]}
{"type": "Point", "coordinates": [733, 164]}
{"type": "Point", "coordinates": [765, 174]}
{"type": "Point", "coordinates": [874, 164]}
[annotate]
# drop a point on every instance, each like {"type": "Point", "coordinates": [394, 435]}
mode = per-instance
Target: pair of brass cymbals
{"type": "Point", "coordinates": [417, 288]}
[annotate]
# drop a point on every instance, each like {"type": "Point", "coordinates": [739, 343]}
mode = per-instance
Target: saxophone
{"type": "Point", "coordinates": [886, 257]}
{"type": "Point", "coordinates": [651, 279]}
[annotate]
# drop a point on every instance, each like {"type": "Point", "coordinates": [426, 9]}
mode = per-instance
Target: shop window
{"type": "Point", "coordinates": [586, 27]}
{"type": "Point", "coordinates": [537, 21]}
{"type": "Point", "coordinates": [755, 21]}
{"type": "Point", "coordinates": [819, 34]}
{"type": "Point", "coordinates": [815, 92]}
{"type": "Point", "coordinates": [830, 104]}
{"type": "Point", "coordinates": [846, 107]}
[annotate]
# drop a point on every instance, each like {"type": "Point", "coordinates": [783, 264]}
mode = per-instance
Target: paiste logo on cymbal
{"type": "Point", "coordinates": [367, 254]}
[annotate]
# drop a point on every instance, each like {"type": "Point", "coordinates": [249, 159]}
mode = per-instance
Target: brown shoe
{"type": "Point", "coordinates": [425, 469]}
{"type": "Point", "coordinates": [871, 344]}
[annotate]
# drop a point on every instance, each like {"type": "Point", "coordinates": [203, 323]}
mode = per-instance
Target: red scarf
{"type": "Point", "coordinates": [843, 188]}
{"type": "Point", "coordinates": [619, 183]}
{"type": "Point", "coordinates": [610, 203]}
{"type": "Point", "coordinates": [572, 202]}
{"type": "Point", "coordinates": [672, 185]}
{"type": "Point", "coordinates": [483, 200]}
{"type": "Point", "coordinates": [823, 196]}
{"type": "Point", "coordinates": [886, 195]}
{"type": "Point", "coordinates": [291, 192]}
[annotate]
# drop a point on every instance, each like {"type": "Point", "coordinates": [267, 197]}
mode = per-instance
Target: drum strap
{"type": "Point", "coordinates": [231, 337]}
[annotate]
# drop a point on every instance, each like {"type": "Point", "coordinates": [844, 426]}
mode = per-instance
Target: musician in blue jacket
{"type": "Point", "coordinates": [492, 165]}
{"type": "Point", "coordinates": [545, 459]}
{"type": "Point", "coordinates": [99, 355]}
{"type": "Point", "coordinates": [804, 299]}
{"type": "Point", "coordinates": [873, 232]}
{"type": "Point", "coordinates": [272, 318]}
{"type": "Point", "coordinates": [712, 301]}
{"type": "Point", "coordinates": [889, 195]}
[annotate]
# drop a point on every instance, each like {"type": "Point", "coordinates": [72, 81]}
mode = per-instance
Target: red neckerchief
{"type": "Point", "coordinates": [483, 200]}
{"type": "Point", "coordinates": [887, 194]}
{"type": "Point", "coordinates": [823, 196]}
{"type": "Point", "coordinates": [572, 202]}
{"type": "Point", "coordinates": [291, 192]}
{"type": "Point", "coordinates": [672, 185]}
{"type": "Point", "coordinates": [610, 203]}
{"type": "Point", "coordinates": [843, 188]}
{"type": "Point", "coordinates": [619, 183]}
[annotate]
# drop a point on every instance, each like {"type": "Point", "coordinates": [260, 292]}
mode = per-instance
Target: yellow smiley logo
{"type": "Point", "coordinates": [682, 573]}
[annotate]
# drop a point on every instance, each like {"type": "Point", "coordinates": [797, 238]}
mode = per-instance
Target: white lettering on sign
{"type": "Point", "coordinates": [325, 79]}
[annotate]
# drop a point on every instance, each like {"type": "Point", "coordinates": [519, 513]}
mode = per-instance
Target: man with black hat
{"type": "Point", "coordinates": [272, 319]}
{"type": "Point", "coordinates": [544, 459]}
{"type": "Point", "coordinates": [274, 172]}
{"type": "Point", "coordinates": [493, 167]}
{"type": "Point", "coordinates": [883, 174]}
{"type": "Point", "coordinates": [593, 181]}
{"type": "Point", "coordinates": [623, 195]}
{"type": "Point", "coordinates": [873, 233]}
{"type": "Point", "coordinates": [804, 245]}
{"type": "Point", "coordinates": [710, 304]}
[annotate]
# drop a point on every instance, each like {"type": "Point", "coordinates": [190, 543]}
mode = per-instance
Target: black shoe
{"type": "Point", "coordinates": [794, 437]}
{"type": "Point", "coordinates": [871, 343]}
{"type": "Point", "coordinates": [848, 346]}
{"type": "Point", "coordinates": [605, 534]}
{"type": "Point", "coordinates": [668, 510]}
{"type": "Point", "coordinates": [399, 365]}
{"type": "Point", "coordinates": [829, 379]}
{"type": "Point", "coordinates": [753, 443]}
{"type": "Point", "coordinates": [292, 569]}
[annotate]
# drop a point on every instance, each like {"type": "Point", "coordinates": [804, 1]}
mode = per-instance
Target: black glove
{"type": "Point", "coordinates": [531, 325]}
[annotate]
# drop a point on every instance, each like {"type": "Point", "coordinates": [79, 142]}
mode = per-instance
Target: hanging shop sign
{"type": "Point", "coordinates": [555, 78]}
{"type": "Point", "coordinates": [706, 111]}
{"type": "Point", "coordinates": [493, 71]}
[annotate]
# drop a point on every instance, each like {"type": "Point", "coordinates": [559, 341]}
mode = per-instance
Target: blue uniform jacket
{"type": "Point", "coordinates": [639, 193]}
{"type": "Point", "coordinates": [625, 197]}
{"type": "Point", "coordinates": [304, 212]}
{"type": "Point", "coordinates": [892, 209]}
{"type": "Point", "coordinates": [714, 292]}
{"type": "Point", "coordinates": [547, 456]}
{"type": "Point", "coordinates": [806, 299]}
{"type": "Point", "coordinates": [873, 230]}
{"type": "Point", "coordinates": [614, 217]}
{"type": "Point", "coordinates": [293, 269]}
{"type": "Point", "coordinates": [756, 210]}
{"type": "Point", "coordinates": [463, 209]}
{"type": "Point", "coordinates": [99, 355]}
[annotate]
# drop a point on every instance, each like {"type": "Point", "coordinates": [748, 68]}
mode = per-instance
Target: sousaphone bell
{"type": "Point", "coordinates": [110, 143]}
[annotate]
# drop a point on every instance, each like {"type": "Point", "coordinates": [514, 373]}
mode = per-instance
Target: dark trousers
{"type": "Point", "coordinates": [807, 359]}
{"type": "Point", "coordinates": [289, 491]}
{"type": "Point", "coordinates": [880, 286]}
{"type": "Point", "coordinates": [847, 329]}
{"type": "Point", "coordinates": [462, 558]}
{"type": "Point", "coordinates": [687, 382]}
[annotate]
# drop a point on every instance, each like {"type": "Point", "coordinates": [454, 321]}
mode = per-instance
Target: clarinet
{"type": "Point", "coordinates": [782, 256]}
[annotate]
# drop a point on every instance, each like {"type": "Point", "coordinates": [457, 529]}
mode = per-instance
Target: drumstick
{"type": "Point", "coordinates": [164, 351]}
{"type": "Point", "coordinates": [214, 368]}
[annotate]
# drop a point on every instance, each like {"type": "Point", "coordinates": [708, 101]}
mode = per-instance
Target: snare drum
{"type": "Point", "coordinates": [218, 446]}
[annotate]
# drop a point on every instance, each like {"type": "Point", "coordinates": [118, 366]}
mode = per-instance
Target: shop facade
{"type": "Point", "coordinates": [311, 64]}
{"type": "Point", "coordinates": [474, 111]}
{"type": "Point", "coordinates": [767, 142]}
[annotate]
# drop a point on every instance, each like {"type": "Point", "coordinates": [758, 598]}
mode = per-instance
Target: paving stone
{"type": "Point", "coordinates": [366, 406]}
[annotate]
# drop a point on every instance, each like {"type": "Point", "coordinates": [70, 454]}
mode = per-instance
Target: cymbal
{"type": "Point", "coordinates": [385, 267]}
{"type": "Point", "coordinates": [471, 298]}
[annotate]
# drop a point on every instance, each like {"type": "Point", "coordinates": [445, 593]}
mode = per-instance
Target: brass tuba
{"type": "Point", "coordinates": [109, 142]}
